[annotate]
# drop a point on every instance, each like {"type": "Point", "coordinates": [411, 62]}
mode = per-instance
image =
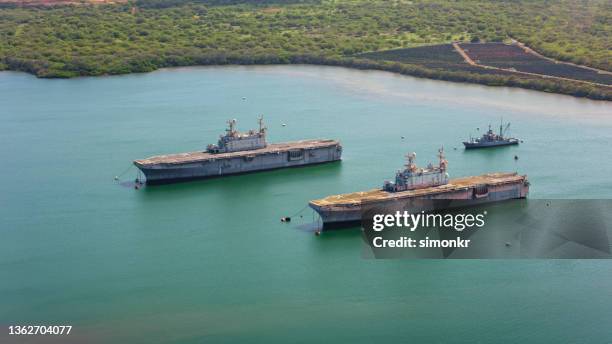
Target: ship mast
{"type": "Point", "coordinates": [262, 128]}
{"type": "Point", "coordinates": [443, 162]}
{"type": "Point", "coordinates": [506, 128]}
{"type": "Point", "coordinates": [231, 127]}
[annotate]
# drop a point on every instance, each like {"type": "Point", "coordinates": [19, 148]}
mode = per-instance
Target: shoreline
{"type": "Point", "coordinates": [577, 89]}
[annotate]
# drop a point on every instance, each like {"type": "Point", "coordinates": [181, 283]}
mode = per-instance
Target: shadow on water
{"type": "Point", "coordinates": [131, 184]}
{"type": "Point", "coordinates": [314, 226]}
{"type": "Point", "coordinates": [341, 241]}
{"type": "Point", "coordinates": [494, 156]}
{"type": "Point", "coordinates": [307, 227]}
{"type": "Point", "coordinates": [336, 234]}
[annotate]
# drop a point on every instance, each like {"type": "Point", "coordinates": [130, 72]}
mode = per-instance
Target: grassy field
{"type": "Point", "coordinates": [143, 35]}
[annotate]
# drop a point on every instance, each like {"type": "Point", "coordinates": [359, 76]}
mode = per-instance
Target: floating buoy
{"type": "Point", "coordinates": [455, 148]}
{"type": "Point", "coordinates": [243, 98]}
{"type": "Point", "coordinates": [402, 137]}
{"type": "Point", "coordinates": [508, 244]}
{"type": "Point", "coordinates": [284, 125]}
{"type": "Point", "coordinates": [516, 157]}
{"type": "Point", "coordinates": [116, 177]}
{"type": "Point", "coordinates": [285, 219]}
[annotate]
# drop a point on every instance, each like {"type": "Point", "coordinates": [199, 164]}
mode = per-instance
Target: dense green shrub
{"type": "Point", "coordinates": [143, 35]}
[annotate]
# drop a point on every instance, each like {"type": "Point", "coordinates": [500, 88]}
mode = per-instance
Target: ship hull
{"type": "Point", "coordinates": [177, 176]}
{"type": "Point", "coordinates": [234, 164]}
{"type": "Point", "coordinates": [336, 216]}
{"type": "Point", "coordinates": [473, 145]}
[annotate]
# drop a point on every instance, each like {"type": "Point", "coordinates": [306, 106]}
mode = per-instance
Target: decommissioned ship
{"type": "Point", "coordinates": [492, 139]}
{"type": "Point", "coordinates": [237, 153]}
{"type": "Point", "coordinates": [420, 189]}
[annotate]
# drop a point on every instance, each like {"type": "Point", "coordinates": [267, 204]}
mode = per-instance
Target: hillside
{"type": "Point", "coordinates": [67, 41]}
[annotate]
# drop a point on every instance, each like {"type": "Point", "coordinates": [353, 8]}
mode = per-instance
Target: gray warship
{"type": "Point", "coordinates": [492, 139]}
{"type": "Point", "coordinates": [420, 189]}
{"type": "Point", "coordinates": [236, 153]}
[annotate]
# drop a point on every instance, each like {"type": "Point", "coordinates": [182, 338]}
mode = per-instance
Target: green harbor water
{"type": "Point", "coordinates": [210, 262]}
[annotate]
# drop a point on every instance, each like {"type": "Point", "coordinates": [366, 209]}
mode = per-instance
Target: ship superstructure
{"type": "Point", "coordinates": [235, 141]}
{"type": "Point", "coordinates": [414, 177]}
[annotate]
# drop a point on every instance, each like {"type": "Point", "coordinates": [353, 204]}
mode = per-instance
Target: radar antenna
{"type": "Point", "coordinates": [411, 166]}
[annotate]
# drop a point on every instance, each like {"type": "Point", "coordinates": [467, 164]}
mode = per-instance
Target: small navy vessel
{"type": "Point", "coordinates": [492, 139]}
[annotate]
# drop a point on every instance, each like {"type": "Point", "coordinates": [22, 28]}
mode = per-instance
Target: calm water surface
{"type": "Point", "coordinates": [210, 261]}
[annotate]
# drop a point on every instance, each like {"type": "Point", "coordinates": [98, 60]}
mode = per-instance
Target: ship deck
{"type": "Point", "coordinates": [189, 157]}
{"type": "Point", "coordinates": [357, 198]}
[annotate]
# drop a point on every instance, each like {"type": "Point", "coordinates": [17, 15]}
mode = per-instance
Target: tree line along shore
{"type": "Point", "coordinates": [141, 36]}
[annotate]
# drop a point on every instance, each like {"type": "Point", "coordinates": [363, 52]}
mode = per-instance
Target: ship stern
{"type": "Point", "coordinates": [335, 217]}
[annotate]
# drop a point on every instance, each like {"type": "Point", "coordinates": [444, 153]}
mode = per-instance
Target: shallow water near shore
{"type": "Point", "coordinates": [210, 261]}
